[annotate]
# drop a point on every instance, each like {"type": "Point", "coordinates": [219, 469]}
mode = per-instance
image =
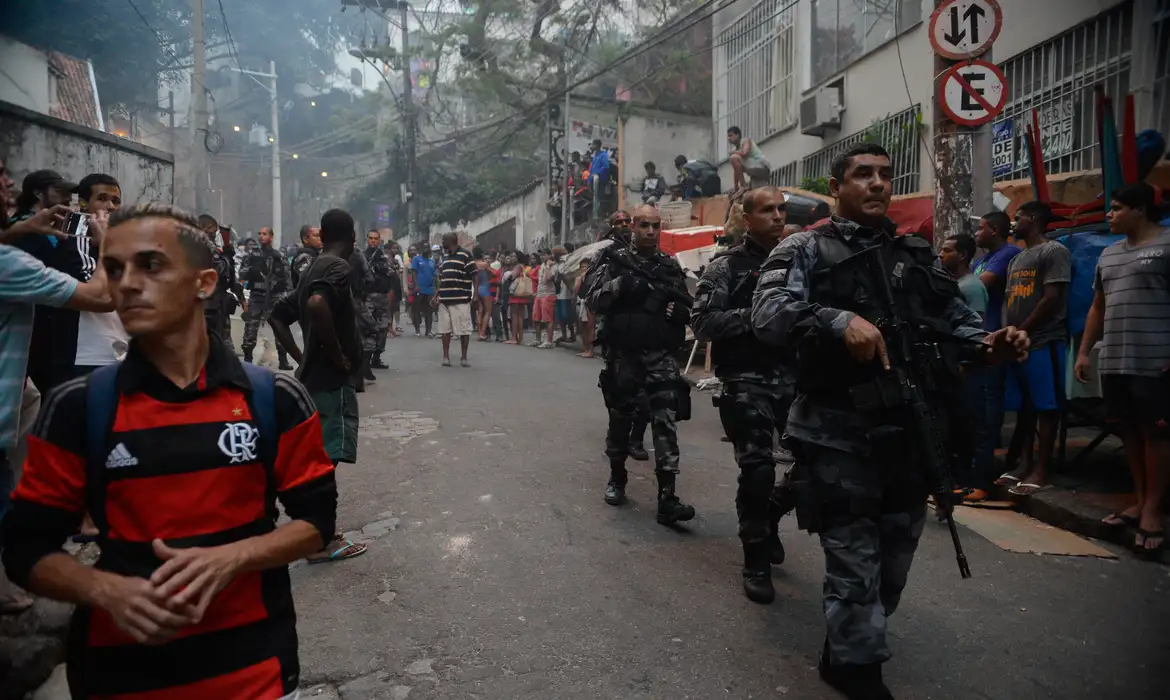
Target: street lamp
{"type": "Point", "coordinates": [295, 156]}
{"type": "Point", "coordinates": [324, 174]}
{"type": "Point", "coordinates": [235, 128]}
{"type": "Point", "coordinates": [312, 103]}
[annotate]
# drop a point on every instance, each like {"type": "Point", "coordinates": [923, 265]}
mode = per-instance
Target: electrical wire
{"type": "Point", "coordinates": [235, 52]}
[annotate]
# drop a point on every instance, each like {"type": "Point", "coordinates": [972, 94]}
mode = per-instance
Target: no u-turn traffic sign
{"type": "Point", "coordinates": [972, 93]}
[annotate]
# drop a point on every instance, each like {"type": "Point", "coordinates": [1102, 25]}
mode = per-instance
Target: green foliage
{"type": "Point", "coordinates": [819, 185]}
{"type": "Point", "coordinates": [129, 61]}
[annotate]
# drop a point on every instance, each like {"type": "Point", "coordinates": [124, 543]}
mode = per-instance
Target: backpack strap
{"type": "Point", "coordinates": [101, 406]}
{"type": "Point", "coordinates": [263, 405]}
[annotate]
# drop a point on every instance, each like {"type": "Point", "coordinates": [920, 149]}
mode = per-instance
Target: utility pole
{"type": "Point", "coordinates": [567, 199]}
{"type": "Point", "coordinates": [968, 94]}
{"type": "Point", "coordinates": [409, 122]}
{"type": "Point", "coordinates": [199, 100]}
{"type": "Point", "coordinates": [277, 221]}
{"type": "Point", "coordinates": [277, 224]}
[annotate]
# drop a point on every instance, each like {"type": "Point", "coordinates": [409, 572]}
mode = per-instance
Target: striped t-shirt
{"type": "Point", "coordinates": [455, 277]}
{"type": "Point", "coordinates": [1136, 283]}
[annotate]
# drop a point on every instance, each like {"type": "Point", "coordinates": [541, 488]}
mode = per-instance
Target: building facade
{"type": "Point", "coordinates": [807, 79]}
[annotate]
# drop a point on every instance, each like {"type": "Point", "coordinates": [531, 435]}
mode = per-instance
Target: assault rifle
{"type": "Point", "coordinates": [910, 358]}
{"type": "Point", "coordinates": [657, 282]}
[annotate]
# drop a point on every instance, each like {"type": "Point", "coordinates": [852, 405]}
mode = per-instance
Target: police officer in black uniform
{"type": "Point", "coordinates": [862, 482]}
{"type": "Point", "coordinates": [228, 291]}
{"type": "Point", "coordinates": [307, 253]}
{"type": "Point", "coordinates": [619, 233]}
{"type": "Point", "coordinates": [756, 390]}
{"type": "Point", "coordinates": [640, 294]}
{"type": "Point", "coordinates": [264, 273]}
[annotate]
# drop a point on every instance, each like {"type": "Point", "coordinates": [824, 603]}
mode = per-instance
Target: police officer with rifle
{"type": "Point", "coordinates": [640, 294]}
{"type": "Point", "coordinates": [753, 406]}
{"type": "Point", "coordinates": [619, 234]}
{"type": "Point", "coordinates": [880, 334]}
{"type": "Point", "coordinates": [265, 274]}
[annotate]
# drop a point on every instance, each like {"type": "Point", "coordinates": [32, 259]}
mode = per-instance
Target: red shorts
{"type": "Point", "coordinates": [545, 310]}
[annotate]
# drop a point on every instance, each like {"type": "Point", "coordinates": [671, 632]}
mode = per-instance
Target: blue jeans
{"type": "Point", "coordinates": [985, 401]}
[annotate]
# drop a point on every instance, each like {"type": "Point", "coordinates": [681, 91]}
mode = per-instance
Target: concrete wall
{"type": "Point", "coordinates": [659, 137]}
{"type": "Point", "coordinates": [25, 79]}
{"type": "Point", "coordinates": [30, 141]}
{"type": "Point", "coordinates": [874, 87]}
{"type": "Point", "coordinates": [529, 210]}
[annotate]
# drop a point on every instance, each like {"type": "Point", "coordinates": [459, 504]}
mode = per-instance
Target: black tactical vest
{"type": "Point", "coordinates": [744, 352]}
{"type": "Point", "coordinates": [849, 277]}
{"type": "Point", "coordinates": [639, 322]}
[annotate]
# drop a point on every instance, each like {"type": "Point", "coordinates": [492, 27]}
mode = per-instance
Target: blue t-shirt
{"type": "Point", "coordinates": [997, 264]}
{"type": "Point", "coordinates": [599, 166]}
{"type": "Point", "coordinates": [424, 274]}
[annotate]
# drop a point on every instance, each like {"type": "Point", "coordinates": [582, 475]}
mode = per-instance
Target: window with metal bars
{"type": "Point", "coordinates": [1058, 79]}
{"type": "Point", "coordinates": [898, 133]}
{"type": "Point", "coordinates": [755, 82]}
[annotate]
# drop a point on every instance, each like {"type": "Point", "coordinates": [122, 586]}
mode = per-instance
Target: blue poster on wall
{"type": "Point", "coordinates": [1002, 147]}
{"type": "Point", "coordinates": [382, 215]}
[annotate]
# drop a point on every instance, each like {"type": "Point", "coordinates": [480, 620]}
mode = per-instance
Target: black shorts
{"type": "Point", "coordinates": [1133, 399]}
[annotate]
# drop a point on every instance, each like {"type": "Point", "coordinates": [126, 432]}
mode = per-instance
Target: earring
{"type": "Point", "coordinates": [202, 295]}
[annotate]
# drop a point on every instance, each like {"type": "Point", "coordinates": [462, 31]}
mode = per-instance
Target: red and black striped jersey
{"type": "Point", "coordinates": [183, 465]}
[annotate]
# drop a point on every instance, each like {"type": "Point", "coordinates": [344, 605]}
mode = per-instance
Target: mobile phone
{"type": "Point", "coordinates": [75, 224]}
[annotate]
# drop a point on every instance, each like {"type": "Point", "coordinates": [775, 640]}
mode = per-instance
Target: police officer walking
{"type": "Point", "coordinates": [756, 389]}
{"type": "Point", "coordinates": [640, 293]}
{"type": "Point", "coordinates": [862, 485]}
{"type": "Point", "coordinates": [619, 233]}
{"type": "Point", "coordinates": [266, 275]}
{"type": "Point", "coordinates": [361, 279]}
{"type": "Point", "coordinates": [377, 300]}
{"type": "Point", "coordinates": [228, 294]}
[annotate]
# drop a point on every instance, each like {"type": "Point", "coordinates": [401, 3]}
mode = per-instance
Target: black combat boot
{"type": "Point", "coordinates": [854, 681]}
{"type": "Point", "coordinates": [670, 509]}
{"type": "Point", "coordinates": [638, 442]}
{"type": "Point", "coordinates": [248, 355]}
{"type": "Point", "coordinates": [776, 552]}
{"type": "Point", "coordinates": [367, 373]}
{"type": "Point", "coordinates": [757, 573]}
{"type": "Point", "coordinates": [615, 490]}
{"type": "Point", "coordinates": [283, 357]}
{"type": "Point", "coordinates": [376, 363]}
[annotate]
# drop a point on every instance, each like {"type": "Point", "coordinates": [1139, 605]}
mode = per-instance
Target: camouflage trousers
{"type": "Point", "coordinates": [869, 537]}
{"type": "Point", "coordinates": [633, 382]}
{"type": "Point", "coordinates": [378, 306]}
{"type": "Point", "coordinates": [753, 414]}
{"type": "Point", "coordinates": [366, 326]}
{"type": "Point", "coordinates": [259, 309]}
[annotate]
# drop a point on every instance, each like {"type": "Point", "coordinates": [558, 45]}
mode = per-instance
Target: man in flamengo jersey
{"type": "Point", "coordinates": [180, 452]}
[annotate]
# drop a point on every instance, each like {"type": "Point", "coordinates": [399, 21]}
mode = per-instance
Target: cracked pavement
{"type": "Point", "coordinates": [495, 571]}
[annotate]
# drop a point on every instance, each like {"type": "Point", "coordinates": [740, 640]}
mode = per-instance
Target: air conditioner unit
{"type": "Point", "coordinates": [822, 111]}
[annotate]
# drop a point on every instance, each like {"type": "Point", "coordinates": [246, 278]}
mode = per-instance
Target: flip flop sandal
{"type": "Point", "coordinates": [1006, 479]}
{"type": "Point", "coordinates": [1142, 549]}
{"type": "Point", "coordinates": [348, 550]}
{"type": "Point", "coordinates": [1121, 520]}
{"type": "Point", "coordinates": [1026, 489]}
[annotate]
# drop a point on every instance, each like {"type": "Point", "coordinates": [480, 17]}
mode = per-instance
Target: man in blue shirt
{"type": "Point", "coordinates": [424, 290]}
{"type": "Point", "coordinates": [598, 175]}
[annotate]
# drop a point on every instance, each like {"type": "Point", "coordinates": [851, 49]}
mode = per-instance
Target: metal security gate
{"type": "Point", "coordinates": [1058, 79]}
{"type": "Point", "coordinates": [755, 84]}
{"type": "Point", "coordinates": [1160, 92]}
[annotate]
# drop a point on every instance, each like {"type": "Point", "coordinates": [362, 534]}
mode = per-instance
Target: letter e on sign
{"type": "Point", "coordinates": [972, 93]}
{"type": "Point", "coordinates": [963, 29]}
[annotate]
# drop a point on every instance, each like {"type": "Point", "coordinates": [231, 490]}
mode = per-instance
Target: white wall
{"type": "Point", "coordinates": [659, 137]}
{"type": "Point", "coordinates": [24, 76]}
{"type": "Point", "coordinates": [532, 219]}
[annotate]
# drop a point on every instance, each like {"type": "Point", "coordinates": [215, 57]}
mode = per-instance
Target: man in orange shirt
{"type": "Point", "coordinates": [180, 453]}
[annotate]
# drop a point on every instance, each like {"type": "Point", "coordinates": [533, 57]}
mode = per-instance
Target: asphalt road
{"type": "Point", "coordinates": [496, 571]}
